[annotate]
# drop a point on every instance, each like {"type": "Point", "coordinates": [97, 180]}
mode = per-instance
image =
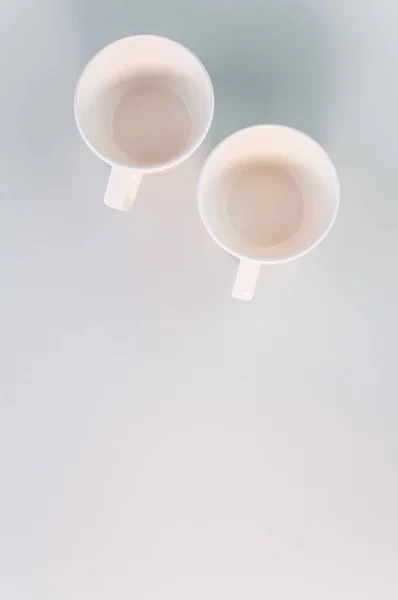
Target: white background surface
{"type": "Point", "coordinates": [159, 440]}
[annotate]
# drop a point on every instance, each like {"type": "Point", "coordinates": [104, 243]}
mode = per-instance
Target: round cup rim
{"type": "Point", "coordinates": [274, 260]}
{"type": "Point", "coordinates": [161, 166]}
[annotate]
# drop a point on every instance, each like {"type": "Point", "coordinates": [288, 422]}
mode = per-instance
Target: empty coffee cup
{"type": "Point", "coordinates": [267, 194]}
{"type": "Point", "coordinates": [143, 105]}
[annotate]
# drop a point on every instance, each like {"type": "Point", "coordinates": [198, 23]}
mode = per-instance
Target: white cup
{"type": "Point", "coordinates": [267, 194]}
{"type": "Point", "coordinates": [143, 105]}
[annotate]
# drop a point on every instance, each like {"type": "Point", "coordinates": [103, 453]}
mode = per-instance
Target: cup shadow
{"type": "Point", "coordinates": [275, 69]}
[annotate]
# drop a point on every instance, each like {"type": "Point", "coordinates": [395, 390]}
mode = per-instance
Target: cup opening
{"type": "Point", "coordinates": [144, 102]}
{"type": "Point", "coordinates": [268, 193]}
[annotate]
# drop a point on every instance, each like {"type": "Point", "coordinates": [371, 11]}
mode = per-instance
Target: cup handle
{"type": "Point", "coordinates": [246, 279]}
{"type": "Point", "coordinates": [122, 188]}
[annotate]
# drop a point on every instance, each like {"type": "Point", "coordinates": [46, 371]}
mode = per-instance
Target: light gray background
{"type": "Point", "coordinates": [159, 440]}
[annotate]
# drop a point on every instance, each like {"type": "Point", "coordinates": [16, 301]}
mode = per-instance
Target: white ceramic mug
{"type": "Point", "coordinates": [267, 194]}
{"type": "Point", "coordinates": [143, 105]}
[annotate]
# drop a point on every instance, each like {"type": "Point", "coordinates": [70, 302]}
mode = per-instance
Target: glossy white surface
{"type": "Point", "coordinates": [158, 439]}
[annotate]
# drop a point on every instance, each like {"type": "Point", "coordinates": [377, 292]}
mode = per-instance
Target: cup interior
{"type": "Point", "coordinates": [268, 193]}
{"type": "Point", "coordinates": [144, 102]}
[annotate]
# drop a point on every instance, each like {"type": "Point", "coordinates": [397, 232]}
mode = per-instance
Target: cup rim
{"type": "Point", "coordinates": [165, 166]}
{"type": "Point", "coordinates": [275, 260]}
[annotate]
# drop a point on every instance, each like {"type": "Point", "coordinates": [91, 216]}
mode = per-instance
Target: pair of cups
{"type": "Point", "coordinates": [267, 194]}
